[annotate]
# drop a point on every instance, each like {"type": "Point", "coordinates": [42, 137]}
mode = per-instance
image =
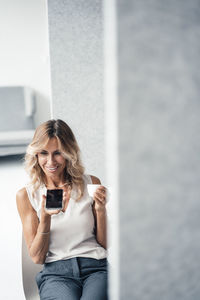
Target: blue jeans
{"type": "Point", "coordinates": [73, 279]}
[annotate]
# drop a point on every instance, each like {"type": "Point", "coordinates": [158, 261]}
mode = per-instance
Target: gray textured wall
{"type": "Point", "coordinates": [159, 123]}
{"type": "Point", "coordinates": [76, 55]}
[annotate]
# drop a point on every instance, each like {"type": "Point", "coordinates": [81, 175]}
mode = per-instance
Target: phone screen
{"type": "Point", "coordinates": [54, 199]}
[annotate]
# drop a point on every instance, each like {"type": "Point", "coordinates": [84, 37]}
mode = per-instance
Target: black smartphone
{"type": "Point", "coordinates": [54, 199]}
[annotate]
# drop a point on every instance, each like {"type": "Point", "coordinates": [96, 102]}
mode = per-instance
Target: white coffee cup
{"type": "Point", "coordinates": [92, 188]}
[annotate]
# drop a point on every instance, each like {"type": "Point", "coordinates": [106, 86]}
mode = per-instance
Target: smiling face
{"type": "Point", "coordinates": [51, 161]}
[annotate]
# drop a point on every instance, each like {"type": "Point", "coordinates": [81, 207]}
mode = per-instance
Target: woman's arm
{"type": "Point", "coordinates": [99, 211]}
{"type": "Point", "coordinates": [34, 231]}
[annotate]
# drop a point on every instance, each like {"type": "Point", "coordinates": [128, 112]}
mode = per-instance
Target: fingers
{"type": "Point", "coordinates": [43, 201]}
{"type": "Point", "coordinates": [101, 191]}
{"type": "Point", "coordinates": [67, 189]}
{"type": "Point", "coordinates": [100, 194]}
{"type": "Point", "coordinates": [66, 197]}
{"type": "Point", "coordinates": [54, 212]}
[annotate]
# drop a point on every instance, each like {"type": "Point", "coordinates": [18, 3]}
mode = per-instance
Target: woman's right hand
{"type": "Point", "coordinates": [50, 212]}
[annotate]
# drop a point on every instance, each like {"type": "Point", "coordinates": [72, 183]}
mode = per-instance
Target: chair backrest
{"type": "Point", "coordinates": [29, 271]}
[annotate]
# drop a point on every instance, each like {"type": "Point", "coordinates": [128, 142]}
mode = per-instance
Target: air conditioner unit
{"type": "Point", "coordinates": [17, 126]}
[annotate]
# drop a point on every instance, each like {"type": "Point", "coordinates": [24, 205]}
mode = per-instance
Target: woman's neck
{"type": "Point", "coordinates": [55, 182]}
{"type": "Point", "coordinates": [54, 186]}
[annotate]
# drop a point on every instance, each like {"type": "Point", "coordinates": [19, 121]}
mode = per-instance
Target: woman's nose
{"type": "Point", "coordinates": [50, 159]}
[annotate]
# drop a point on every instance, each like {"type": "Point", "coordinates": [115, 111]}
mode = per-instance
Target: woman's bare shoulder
{"type": "Point", "coordinates": [22, 200]}
{"type": "Point", "coordinates": [95, 180]}
{"type": "Point", "coordinates": [22, 193]}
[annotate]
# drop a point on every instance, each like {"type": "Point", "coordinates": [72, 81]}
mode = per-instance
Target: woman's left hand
{"type": "Point", "coordinates": [100, 198]}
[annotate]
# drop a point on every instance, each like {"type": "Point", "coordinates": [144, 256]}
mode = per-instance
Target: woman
{"type": "Point", "coordinates": [70, 242]}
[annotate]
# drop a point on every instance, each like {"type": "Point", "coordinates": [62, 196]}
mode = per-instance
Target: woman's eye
{"type": "Point", "coordinates": [43, 153]}
{"type": "Point", "coordinates": [57, 153]}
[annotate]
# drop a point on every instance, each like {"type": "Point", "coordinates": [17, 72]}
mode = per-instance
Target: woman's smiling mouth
{"type": "Point", "coordinates": [52, 169]}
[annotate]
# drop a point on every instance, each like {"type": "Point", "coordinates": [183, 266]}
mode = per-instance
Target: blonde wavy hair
{"type": "Point", "coordinates": [74, 169]}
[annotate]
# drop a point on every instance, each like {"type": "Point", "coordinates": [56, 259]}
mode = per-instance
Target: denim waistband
{"type": "Point", "coordinates": [76, 266]}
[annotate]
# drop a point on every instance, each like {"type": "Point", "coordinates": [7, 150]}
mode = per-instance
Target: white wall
{"type": "Point", "coordinates": [24, 52]}
{"type": "Point", "coordinates": [24, 61]}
